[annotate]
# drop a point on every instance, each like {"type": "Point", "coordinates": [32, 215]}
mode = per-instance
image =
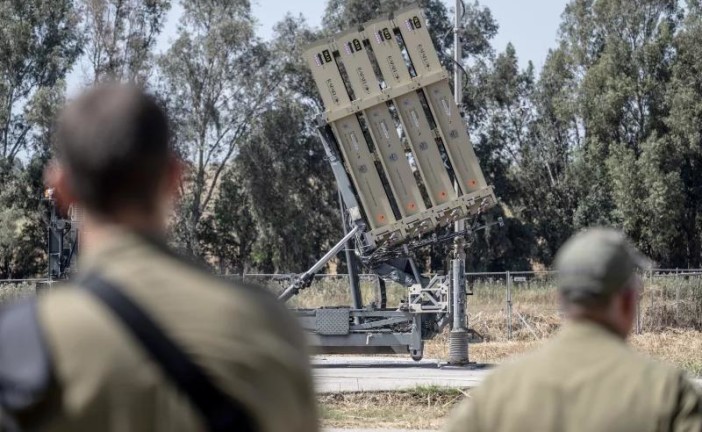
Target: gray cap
{"type": "Point", "coordinates": [595, 264]}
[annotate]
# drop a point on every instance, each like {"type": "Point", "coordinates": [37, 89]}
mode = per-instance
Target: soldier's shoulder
{"type": "Point", "coordinates": [184, 271]}
{"type": "Point", "coordinates": [505, 375]}
{"type": "Point", "coordinates": [256, 302]}
{"type": "Point", "coordinates": [66, 298]}
{"type": "Point", "coordinates": [650, 368]}
{"type": "Point", "coordinates": [69, 309]}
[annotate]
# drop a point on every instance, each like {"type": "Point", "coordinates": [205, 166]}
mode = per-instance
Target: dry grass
{"type": "Point", "coordinates": [485, 353]}
{"type": "Point", "coordinates": [681, 348]}
{"type": "Point", "coordinates": [14, 291]}
{"type": "Point", "coordinates": [421, 408]}
{"type": "Point", "coordinates": [671, 314]}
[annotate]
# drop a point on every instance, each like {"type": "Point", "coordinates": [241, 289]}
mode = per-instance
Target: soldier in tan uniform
{"type": "Point", "coordinates": [143, 340]}
{"type": "Point", "coordinates": [586, 378]}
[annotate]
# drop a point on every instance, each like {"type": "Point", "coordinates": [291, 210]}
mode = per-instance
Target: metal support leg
{"type": "Point", "coordinates": [351, 263]}
{"type": "Point", "coordinates": [458, 337]}
{"type": "Point", "coordinates": [382, 294]}
{"type": "Point", "coordinates": [304, 279]}
{"type": "Point", "coordinates": [413, 266]}
{"type": "Point", "coordinates": [417, 346]}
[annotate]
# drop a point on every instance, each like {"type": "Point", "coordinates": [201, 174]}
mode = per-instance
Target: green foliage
{"type": "Point", "coordinates": [291, 191]}
{"type": "Point", "coordinates": [215, 79]}
{"type": "Point", "coordinates": [229, 232]}
{"type": "Point", "coordinates": [120, 36]}
{"type": "Point", "coordinates": [619, 60]}
{"type": "Point", "coordinates": [607, 133]}
{"type": "Point", "coordinates": [38, 45]}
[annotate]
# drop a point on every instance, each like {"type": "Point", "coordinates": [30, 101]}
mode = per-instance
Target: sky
{"type": "Point", "coordinates": [530, 25]}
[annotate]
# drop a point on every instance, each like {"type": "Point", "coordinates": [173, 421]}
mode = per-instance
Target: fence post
{"type": "Point", "coordinates": [677, 298]}
{"type": "Point", "coordinates": [638, 303]}
{"type": "Point", "coordinates": [509, 306]}
{"type": "Point", "coordinates": [651, 310]}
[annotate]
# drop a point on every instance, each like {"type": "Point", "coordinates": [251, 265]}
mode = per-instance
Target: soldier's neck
{"type": "Point", "coordinates": [601, 322]}
{"type": "Point", "coordinates": [97, 230]}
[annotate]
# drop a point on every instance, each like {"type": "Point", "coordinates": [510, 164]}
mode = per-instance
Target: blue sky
{"type": "Point", "coordinates": [531, 25]}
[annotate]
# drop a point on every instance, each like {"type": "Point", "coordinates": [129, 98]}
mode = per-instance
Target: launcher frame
{"type": "Point", "coordinates": [404, 165]}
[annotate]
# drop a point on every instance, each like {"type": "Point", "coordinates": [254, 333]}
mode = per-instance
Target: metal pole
{"type": "Point", "coordinates": [413, 266]}
{"type": "Point", "coordinates": [458, 337]}
{"type": "Point", "coordinates": [458, 286]}
{"type": "Point", "coordinates": [300, 282]}
{"type": "Point", "coordinates": [509, 306]}
{"type": "Point", "coordinates": [354, 287]}
{"type": "Point", "coordinates": [458, 98]}
{"type": "Point", "coordinates": [677, 297]}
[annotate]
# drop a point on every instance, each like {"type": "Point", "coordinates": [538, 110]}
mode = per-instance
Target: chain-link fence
{"type": "Point", "coordinates": [672, 299]}
{"type": "Point", "coordinates": [14, 289]}
{"type": "Point", "coordinates": [329, 289]}
{"type": "Point", "coordinates": [503, 306]}
{"type": "Point", "coordinates": [524, 305]}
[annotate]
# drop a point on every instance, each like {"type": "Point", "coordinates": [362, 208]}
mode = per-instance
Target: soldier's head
{"type": "Point", "coordinates": [114, 158]}
{"type": "Point", "coordinates": [597, 278]}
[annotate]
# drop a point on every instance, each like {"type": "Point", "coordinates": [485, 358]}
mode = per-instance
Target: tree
{"type": "Point", "coordinates": [501, 136]}
{"type": "Point", "coordinates": [229, 232]}
{"type": "Point", "coordinates": [121, 35]}
{"type": "Point", "coordinates": [215, 80]}
{"type": "Point", "coordinates": [38, 45]}
{"type": "Point", "coordinates": [290, 189]}
{"type": "Point", "coordinates": [601, 110]}
{"type": "Point", "coordinates": [684, 157]}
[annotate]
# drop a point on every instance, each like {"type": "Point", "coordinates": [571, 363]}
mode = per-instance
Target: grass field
{"type": "Point", "coordinates": [670, 320]}
{"type": "Point", "coordinates": [669, 302]}
{"type": "Point", "coordinates": [670, 317]}
{"type": "Point", "coordinates": [670, 313]}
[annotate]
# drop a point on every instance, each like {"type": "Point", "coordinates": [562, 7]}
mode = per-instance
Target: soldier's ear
{"type": "Point", "coordinates": [56, 178]}
{"type": "Point", "coordinates": [174, 174]}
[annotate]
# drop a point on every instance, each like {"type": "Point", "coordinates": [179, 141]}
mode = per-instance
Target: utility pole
{"type": "Point", "coordinates": [458, 337]}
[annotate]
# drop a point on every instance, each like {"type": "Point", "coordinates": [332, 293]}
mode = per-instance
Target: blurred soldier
{"type": "Point", "coordinates": [587, 378]}
{"type": "Point", "coordinates": [142, 340]}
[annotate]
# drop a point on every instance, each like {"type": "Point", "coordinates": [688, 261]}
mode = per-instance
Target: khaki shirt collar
{"type": "Point", "coordinates": [589, 330]}
{"type": "Point", "coordinates": [117, 241]}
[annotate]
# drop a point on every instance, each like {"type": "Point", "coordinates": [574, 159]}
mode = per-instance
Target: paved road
{"type": "Point", "coordinates": [375, 430]}
{"type": "Point", "coordinates": [335, 374]}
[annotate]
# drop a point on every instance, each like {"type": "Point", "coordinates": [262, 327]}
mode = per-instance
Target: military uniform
{"type": "Point", "coordinates": [102, 380]}
{"type": "Point", "coordinates": [585, 379]}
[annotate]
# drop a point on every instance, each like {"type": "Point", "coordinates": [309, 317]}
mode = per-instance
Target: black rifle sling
{"type": "Point", "coordinates": [221, 413]}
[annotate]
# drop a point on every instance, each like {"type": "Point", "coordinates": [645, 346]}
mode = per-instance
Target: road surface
{"type": "Point", "coordinates": [374, 430]}
{"type": "Point", "coordinates": [341, 374]}
{"type": "Point", "coordinates": [335, 374]}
